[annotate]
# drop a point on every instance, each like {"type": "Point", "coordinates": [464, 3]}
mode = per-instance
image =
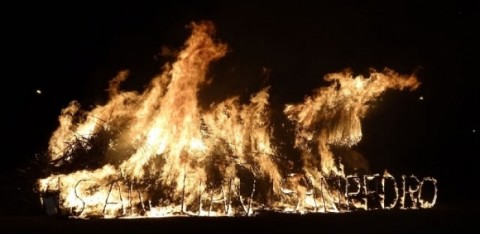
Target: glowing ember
{"type": "Point", "coordinates": [158, 153]}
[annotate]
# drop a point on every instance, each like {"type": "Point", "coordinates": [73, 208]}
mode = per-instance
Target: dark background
{"type": "Point", "coordinates": [70, 50]}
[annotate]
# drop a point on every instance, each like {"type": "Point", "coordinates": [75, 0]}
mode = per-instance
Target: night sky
{"type": "Point", "coordinates": [70, 51]}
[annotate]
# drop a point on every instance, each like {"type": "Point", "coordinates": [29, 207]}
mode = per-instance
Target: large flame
{"type": "Point", "coordinates": [158, 153]}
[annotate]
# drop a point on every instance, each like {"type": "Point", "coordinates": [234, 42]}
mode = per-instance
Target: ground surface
{"type": "Point", "coordinates": [437, 220]}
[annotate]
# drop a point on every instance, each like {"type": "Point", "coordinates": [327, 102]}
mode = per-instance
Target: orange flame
{"type": "Point", "coordinates": [332, 115]}
{"type": "Point", "coordinates": [166, 155]}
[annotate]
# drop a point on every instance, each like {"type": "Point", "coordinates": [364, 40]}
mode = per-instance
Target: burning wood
{"type": "Point", "coordinates": [158, 153]}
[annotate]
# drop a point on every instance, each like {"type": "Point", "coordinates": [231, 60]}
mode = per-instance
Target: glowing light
{"type": "Point", "coordinates": [158, 153]}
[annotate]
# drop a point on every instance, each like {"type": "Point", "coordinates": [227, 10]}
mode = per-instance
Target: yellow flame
{"type": "Point", "coordinates": [166, 155]}
{"type": "Point", "coordinates": [331, 116]}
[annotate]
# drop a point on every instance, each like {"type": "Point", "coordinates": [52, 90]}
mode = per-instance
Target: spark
{"type": "Point", "coordinates": [38, 91]}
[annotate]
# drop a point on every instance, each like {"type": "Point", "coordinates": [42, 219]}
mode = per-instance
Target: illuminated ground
{"type": "Point", "coordinates": [438, 220]}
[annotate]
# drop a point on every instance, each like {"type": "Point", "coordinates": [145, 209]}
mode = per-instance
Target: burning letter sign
{"type": "Point", "coordinates": [159, 153]}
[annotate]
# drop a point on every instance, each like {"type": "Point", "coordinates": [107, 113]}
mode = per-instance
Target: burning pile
{"type": "Point", "coordinates": [158, 153]}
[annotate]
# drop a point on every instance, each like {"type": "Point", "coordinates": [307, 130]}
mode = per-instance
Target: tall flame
{"type": "Point", "coordinates": [158, 153]}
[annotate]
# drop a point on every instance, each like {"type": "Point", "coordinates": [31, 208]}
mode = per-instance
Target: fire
{"type": "Point", "coordinates": [332, 115]}
{"type": "Point", "coordinates": [158, 153]}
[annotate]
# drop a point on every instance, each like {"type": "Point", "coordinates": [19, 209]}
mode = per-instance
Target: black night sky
{"type": "Point", "coordinates": [69, 51]}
